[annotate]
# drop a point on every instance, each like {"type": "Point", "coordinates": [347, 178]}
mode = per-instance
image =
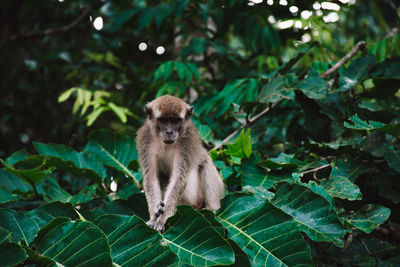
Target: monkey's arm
{"type": "Point", "coordinates": [174, 190]}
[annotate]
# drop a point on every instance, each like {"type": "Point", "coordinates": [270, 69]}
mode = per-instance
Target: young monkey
{"type": "Point", "coordinates": [176, 167]}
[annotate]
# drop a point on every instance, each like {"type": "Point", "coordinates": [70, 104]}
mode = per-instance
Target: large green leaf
{"type": "Point", "coordinates": [18, 156]}
{"type": "Point", "coordinates": [341, 187]}
{"type": "Point", "coordinates": [348, 168]}
{"type": "Point", "coordinates": [356, 72]}
{"type": "Point", "coordinates": [10, 253]}
{"type": "Point", "coordinates": [53, 192]}
{"type": "Point", "coordinates": [50, 211]}
{"type": "Point", "coordinates": [12, 183]}
{"type": "Point", "coordinates": [23, 226]}
{"type": "Point", "coordinates": [6, 197]}
{"type": "Point", "coordinates": [67, 159]}
{"type": "Point", "coordinates": [196, 240]}
{"type": "Point", "coordinates": [313, 213]}
{"type": "Point", "coordinates": [73, 243]}
{"type": "Point", "coordinates": [369, 217]}
{"type": "Point", "coordinates": [31, 176]}
{"type": "Point", "coordinates": [267, 235]}
{"type": "Point", "coordinates": [253, 175]}
{"type": "Point", "coordinates": [113, 150]}
{"type": "Point", "coordinates": [133, 243]}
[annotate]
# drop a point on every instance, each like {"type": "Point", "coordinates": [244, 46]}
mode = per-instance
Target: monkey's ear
{"type": "Point", "coordinates": [189, 113]}
{"type": "Point", "coordinates": [148, 112]}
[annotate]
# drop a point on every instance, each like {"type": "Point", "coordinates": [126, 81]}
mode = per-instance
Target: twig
{"type": "Point", "coordinates": [248, 123]}
{"type": "Point", "coordinates": [47, 32]}
{"type": "Point", "coordinates": [359, 46]}
{"type": "Point", "coordinates": [316, 169]}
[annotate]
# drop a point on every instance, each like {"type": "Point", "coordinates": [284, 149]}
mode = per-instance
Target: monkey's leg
{"type": "Point", "coordinates": [213, 186]}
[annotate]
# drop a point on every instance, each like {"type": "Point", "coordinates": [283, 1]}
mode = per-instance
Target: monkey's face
{"type": "Point", "coordinates": [169, 128]}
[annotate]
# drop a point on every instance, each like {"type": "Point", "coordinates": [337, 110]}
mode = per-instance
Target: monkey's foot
{"type": "Point", "coordinates": [160, 209]}
{"type": "Point", "coordinates": [157, 226]}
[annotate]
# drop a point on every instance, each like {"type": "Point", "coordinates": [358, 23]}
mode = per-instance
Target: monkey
{"type": "Point", "coordinates": [176, 167]}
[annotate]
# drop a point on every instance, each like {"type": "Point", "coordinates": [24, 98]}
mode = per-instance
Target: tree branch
{"type": "Point", "coordinates": [359, 46]}
{"type": "Point", "coordinates": [316, 169]}
{"type": "Point", "coordinates": [248, 123]}
{"type": "Point", "coordinates": [54, 31]}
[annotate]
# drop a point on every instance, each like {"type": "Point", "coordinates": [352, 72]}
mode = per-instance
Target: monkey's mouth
{"type": "Point", "coordinates": [168, 142]}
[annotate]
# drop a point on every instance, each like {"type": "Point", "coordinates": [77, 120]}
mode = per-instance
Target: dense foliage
{"type": "Point", "coordinates": [312, 167]}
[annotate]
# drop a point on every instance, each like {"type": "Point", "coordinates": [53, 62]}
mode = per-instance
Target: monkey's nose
{"type": "Point", "coordinates": [169, 132]}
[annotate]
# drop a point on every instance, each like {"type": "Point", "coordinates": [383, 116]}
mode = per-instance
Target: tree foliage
{"type": "Point", "coordinates": [301, 121]}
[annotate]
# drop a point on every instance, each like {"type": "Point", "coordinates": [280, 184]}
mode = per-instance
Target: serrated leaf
{"type": "Point", "coordinates": [313, 86]}
{"type": "Point", "coordinates": [133, 243]}
{"type": "Point", "coordinates": [341, 187]}
{"type": "Point", "coordinates": [356, 72]}
{"type": "Point", "coordinates": [359, 124]}
{"type": "Point", "coordinates": [267, 235]}
{"type": "Point", "coordinates": [73, 243]}
{"type": "Point", "coordinates": [369, 217]}
{"type": "Point", "coordinates": [31, 176]}
{"type": "Point", "coordinates": [67, 159]}
{"type": "Point", "coordinates": [11, 254]}
{"type": "Point", "coordinates": [275, 90]}
{"type": "Point", "coordinates": [113, 150]}
{"type": "Point", "coordinates": [392, 156]}
{"type": "Point", "coordinates": [23, 226]}
{"type": "Point", "coordinates": [315, 215]}
{"type": "Point", "coordinates": [194, 239]}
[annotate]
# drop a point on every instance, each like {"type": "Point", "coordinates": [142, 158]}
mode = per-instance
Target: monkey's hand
{"type": "Point", "coordinates": [160, 209]}
{"type": "Point", "coordinates": [157, 226]}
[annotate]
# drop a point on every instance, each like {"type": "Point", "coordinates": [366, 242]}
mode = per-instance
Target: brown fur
{"type": "Point", "coordinates": [181, 172]}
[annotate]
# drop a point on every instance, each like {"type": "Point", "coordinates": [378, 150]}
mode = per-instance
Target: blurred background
{"type": "Point", "coordinates": [68, 67]}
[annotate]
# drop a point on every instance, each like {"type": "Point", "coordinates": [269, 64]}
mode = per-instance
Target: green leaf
{"type": "Point", "coordinates": [313, 213]}
{"type": "Point", "coordinates": [92, 117]}
{"type": "Point", "coordinates": [66, 94]}
{"type": "Point", "coordinates": [23, 226]}
{"type": "Point", "coordinates": [359, 124]}
{"type": "Point", "coordinates": [356, 72]}
{"type": "Point", "coordinates": [67, 159]}
{"type": "Point", "coordinates": [32, 176]}
{"type": "Point", "coordinates": [341, 187]}
{"type": "Point", "coordinates": [6, 197]}
{"type": "Point", "coordinates": [382, 50]}
{"type": "Point", "coordinates": [253, 175]}
{"type": "Point", "coordinates": [282, 161]}
{"type": "Point", "coordinates": [48, 212]}
{"type": "Point", "coordinates": [113, 150]}
{"type": "Point", "coordinates": [390, 69]}
{"type": "Point", "coordinates": [313, 86]}
{"type": "Point", "coordinates": [276, 89]}
{"type": "Point", "coordinates": [369, 217]}
{"type": "Point", "coordinates": [119, 111]}
{"type": "Point", "coordinates": [73, 243]}
{"type": "Point", "coordinates": [348, 168]}
{"type": "Point", "coordinates": [133, 243]}
{"type": "Point", "coordinates": [10, 253]}
{"type": "Point", "coordinates": [195, 240]}
{"type": "Point", "coordinates": [12, 183]}
{"type": "Point", "coordinates": [18, 156]}
{"type": "Point", "coordinates": [267, 235]}
{"type": "Point", "coordinates": [242, 146]}
{"type": "Point", "coordinates": [53, 192]}
{"type": "Point", "coordinates": [392, 156]}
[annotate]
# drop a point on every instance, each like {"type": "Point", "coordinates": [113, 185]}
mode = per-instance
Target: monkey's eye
{"type": "Point", "coordinates": [176, 120]}
{"type": "Point", "coordinates": [162, 120]}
